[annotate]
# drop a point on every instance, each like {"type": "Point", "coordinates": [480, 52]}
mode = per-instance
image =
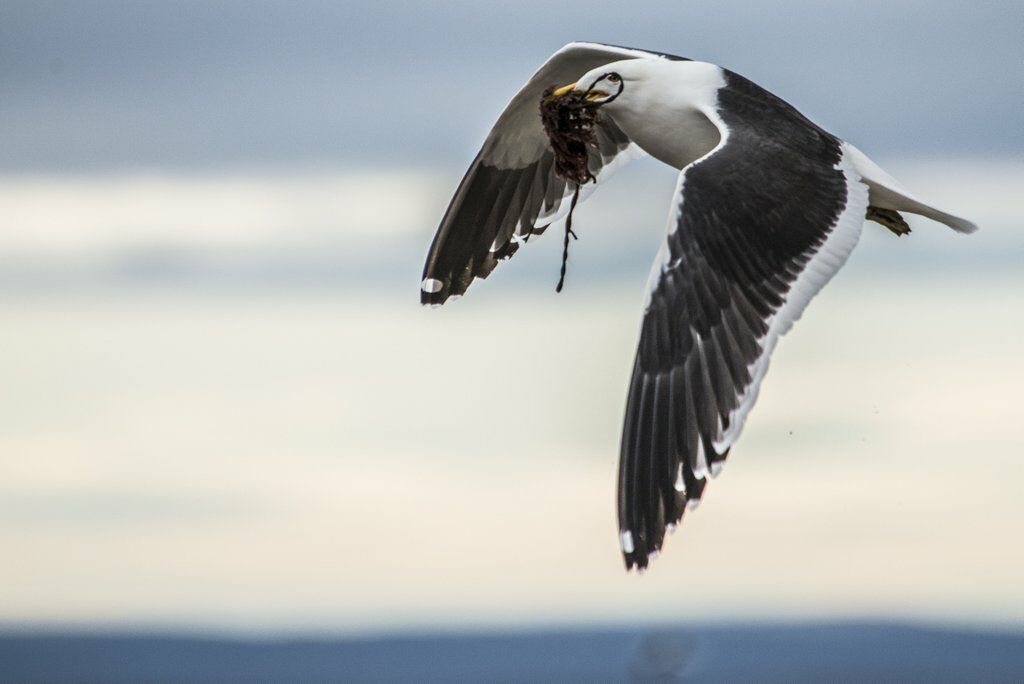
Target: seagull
{"type": "Point", "coordinates": [767, 207]}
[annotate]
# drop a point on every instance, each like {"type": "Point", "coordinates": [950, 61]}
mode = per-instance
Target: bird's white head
{"type": "Point", "coordinates": [662, 105]}
{"type": "Point", "coordinates": [617, 82]}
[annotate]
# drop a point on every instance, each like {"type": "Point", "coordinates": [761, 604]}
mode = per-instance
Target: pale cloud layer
{"type": "Point", "coordinates": [99, 214]}
{"type": "Point", "coordinates": [358, 463]}
{"type": "Point", "coordinates": [96, 215]}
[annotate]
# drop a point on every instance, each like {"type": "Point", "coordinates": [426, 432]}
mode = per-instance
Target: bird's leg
{"type": "Point", "coordinates": [890, 219]}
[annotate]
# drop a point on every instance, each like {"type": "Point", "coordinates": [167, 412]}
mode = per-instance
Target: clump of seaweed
{"type": "Point", "coordinates": [569, 121]}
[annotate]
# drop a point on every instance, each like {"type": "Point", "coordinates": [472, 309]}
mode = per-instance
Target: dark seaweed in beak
{"type": "Point", "coordinates": [569, 120]}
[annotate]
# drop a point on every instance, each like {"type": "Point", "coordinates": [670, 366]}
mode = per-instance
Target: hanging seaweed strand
{"type": "Point", "coordinates": [569, 121]}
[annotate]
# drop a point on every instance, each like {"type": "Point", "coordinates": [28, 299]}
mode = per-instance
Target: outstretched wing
{"type": "Point", "coordinates": [510, 191]}
{"type": "Point", "coordinates": [760, 224]}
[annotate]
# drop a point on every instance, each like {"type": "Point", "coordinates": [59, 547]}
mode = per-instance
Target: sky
{"type": "Point", "coordinates": [222, 406]}
{"type": "Point", "coordinates": [112, 85]}
{"type": "Point", "coordinates": [353, 462]}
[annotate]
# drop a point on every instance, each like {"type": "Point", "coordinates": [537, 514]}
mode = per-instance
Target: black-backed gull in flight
{"type": "Point", "coordinates": [767, 208]}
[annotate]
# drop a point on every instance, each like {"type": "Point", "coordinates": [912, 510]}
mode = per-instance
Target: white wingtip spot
{"type": "Point", "coordinates": [626, 541]}
{"type": "Point", "coordinates": [700, 470]}
{"type": "Point", "coordinates": [716, 468]}
{"type": "Point", "coordinates": [691, 504]}
{"type": "Point", "coordinates": [671, 528]}
{"type": "Point", "coordinates": [431, 285]}
{"type": "Point", "coordinates": [653, 555]}
{"type": "Point", "coordinates": [680, 484]}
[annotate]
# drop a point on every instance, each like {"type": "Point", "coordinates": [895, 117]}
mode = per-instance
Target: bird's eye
{"type": "Point", "coordinates": [613, 78]}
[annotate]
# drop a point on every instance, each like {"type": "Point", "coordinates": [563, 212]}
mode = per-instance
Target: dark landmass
{"type": "Point", "coordinates": [772, 653]}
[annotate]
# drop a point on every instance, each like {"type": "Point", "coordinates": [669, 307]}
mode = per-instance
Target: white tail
{"type": "Point", "coordinates": [885, 192]}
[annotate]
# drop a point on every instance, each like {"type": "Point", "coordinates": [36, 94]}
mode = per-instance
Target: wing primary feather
{"type": "Point", "coordinates": [630, 446]}
{"type": "Point", "coordinates": [640, 469]}
{"type": "Point", "coordinates": [659, 453]}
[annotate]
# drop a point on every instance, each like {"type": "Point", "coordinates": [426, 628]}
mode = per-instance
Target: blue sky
{"type": "Point", "coordinates": [118, 85]}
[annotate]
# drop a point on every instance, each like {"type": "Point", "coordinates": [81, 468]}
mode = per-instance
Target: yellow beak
{"type": "Point", "coordinates": [592, 95]}
{"type": "Point", "coordinates": [563, 90]}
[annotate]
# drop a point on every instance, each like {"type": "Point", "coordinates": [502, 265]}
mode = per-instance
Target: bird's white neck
{"type": "Point", "coordinates": [669, 116]}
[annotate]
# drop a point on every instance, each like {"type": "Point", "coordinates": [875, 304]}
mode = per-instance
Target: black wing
{"type": "Point", "coordinates": [763, 222]}
{"type": "Point", "coordinates": [510, 191]}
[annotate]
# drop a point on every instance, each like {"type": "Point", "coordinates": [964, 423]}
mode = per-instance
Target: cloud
{"type": "Point", "coordinates": [88, 215]}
